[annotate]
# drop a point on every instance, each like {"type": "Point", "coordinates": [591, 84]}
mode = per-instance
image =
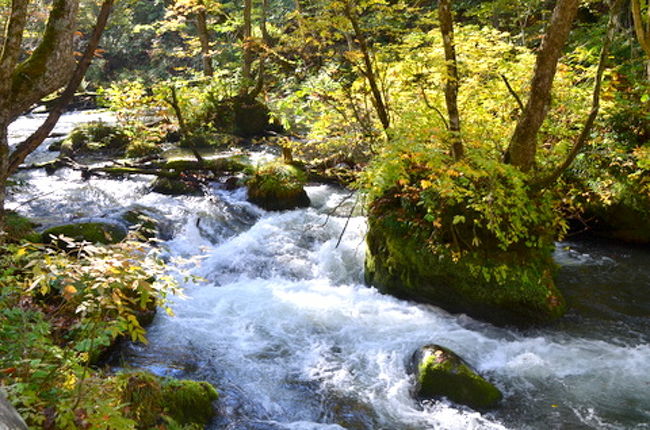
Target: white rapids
{"type": "Point", "coordinates": [282, 324]}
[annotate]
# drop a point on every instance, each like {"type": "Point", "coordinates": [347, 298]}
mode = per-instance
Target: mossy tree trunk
{"type": "Point", "coordinates": [48, 68]}
{"type": "Point", "coordinates": [523, 145]}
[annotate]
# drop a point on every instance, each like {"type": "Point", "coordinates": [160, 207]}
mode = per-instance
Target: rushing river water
{"type": "Point", "coordinates": [284, 327]}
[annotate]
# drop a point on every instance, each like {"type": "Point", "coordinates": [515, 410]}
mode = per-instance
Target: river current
{"type": "Point", "coordinates": [281, 322]}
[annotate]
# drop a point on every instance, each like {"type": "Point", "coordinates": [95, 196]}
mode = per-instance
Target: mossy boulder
{"type": "Point", "coordinates": [278, 186]}
{"type": "Point", "coordinates": [92, 230]}
{"type": "Point", "coordinates": [154, 400]}
{"type": "Point", "coordinates": [400, 262]}
{"type": "Point", "coordinates": [177, 187]}
{"type": "Point", "coordinates": [241, 115]}
{"type": "Point", "coordinates": [96, 137]}
{"type": "Point", "coordinates": [623, 220]}
{"type": "Point", "coordinates": [439, 372]}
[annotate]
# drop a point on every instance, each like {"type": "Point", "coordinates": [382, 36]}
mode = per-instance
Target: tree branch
{"type": "Point", "coordinates": [513, 92]}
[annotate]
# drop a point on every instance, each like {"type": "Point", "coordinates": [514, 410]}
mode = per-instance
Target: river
{"type": "Point", "coordinates": [282, 324]}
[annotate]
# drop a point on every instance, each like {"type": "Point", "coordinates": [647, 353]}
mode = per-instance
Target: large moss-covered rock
{"type": "Point", "coordinates": [621, 220]}
{"type": "Point", "coordinates": [439, 372]}
{"type": "Point", "coordinates": [94, 230]}
{"type": "Point", "coordinates": [400, 262]}
{"type": "Point", "coordinates": [151, 398]}
{"type": "Point", "coordinates": [278, 186]}
{"type": "Point", "coordinates": [241, 115]}
{"type": "Point", "coordinates": [95, 137]}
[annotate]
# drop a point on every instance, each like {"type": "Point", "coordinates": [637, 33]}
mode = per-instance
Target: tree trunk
{"type": "Point", "coordinates": [248, 51]}
{"type": "Point", "coordinates": [4, 168]}
{"type": "Point", "coordinates": [204, 37]}
{"type": "Point", "coordinates": [49, 67]}
{"type": "Point", "coordinates": [523, 145]}
{"type": "Point", "coordinates": [641, 30]}
{"type": "Point", "coordinates": [583, 138]}
{"type": "Point", "coordinates": [451, 81]}
{"type": "Point", "coordinates": [34, 141]}
{"type": "Point", "coordinates": [369, 72]}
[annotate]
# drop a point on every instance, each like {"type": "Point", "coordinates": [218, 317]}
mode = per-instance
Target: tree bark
{"type": "Point", "coordinates": [451, 80]}
{"type": "Point", "coordinates": [523, 145]}
{"type": "Point", "coordinates": [204, 38]}
{"type": "Point", "coordinates": [642, 31]}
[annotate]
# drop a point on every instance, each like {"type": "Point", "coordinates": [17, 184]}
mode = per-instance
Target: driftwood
{"type": "Point", "coordinates": [171, 169]}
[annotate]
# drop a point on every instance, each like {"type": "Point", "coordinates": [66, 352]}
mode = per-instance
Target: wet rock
{"type": "Point", "coordinates": [177, 187]}
{"type": "Point", "coordinates": [143, 222]}
{"type": "Point", "coordinates": [231, 183]}
{"type": "Point", "coordinates": [278, 186]}
{"type": "Point", "coordinates": [440, 372]}
{"type": "Point", "coordinates": [9, 418]}
{"type": "Point", "coordinates": [94, 230]}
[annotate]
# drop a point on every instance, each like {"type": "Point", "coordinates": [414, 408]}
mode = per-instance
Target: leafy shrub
{"type": "Point", "coordinates": [58, 312]}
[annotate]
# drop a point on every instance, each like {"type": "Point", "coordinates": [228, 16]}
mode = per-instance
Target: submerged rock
{"type": "Point", "coordinates": [278, 186]}
{"type": "Point", "coordinates": [94, 230]}
{"type": "Point", "coordinates": [440, 372]}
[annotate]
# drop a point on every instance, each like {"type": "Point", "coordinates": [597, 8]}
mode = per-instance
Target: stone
{"type": "Point", "coordinates": [9, 417]}
{"type": "Point", "coordinates": [277, 186]}
{"type": "Point", "coordinates": [94, 230]}
{"type": "Point", "coordinates": [177, 187]}
{"type": "Point", "coordinates": [440, 372]}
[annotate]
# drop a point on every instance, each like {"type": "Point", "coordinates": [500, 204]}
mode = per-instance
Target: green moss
{"type": "Point", "coordinates": [152, 399]}
{"type": "Point", "coordinates": [278, 186]}
{"type": "Point", "coordinates": [19, 228]}
{"type": "Point", "coordinates": [96, 136]}
{"type": "Point", "coordinates": [94, 232]}
{"type": "Point", "coordinates": [176, 187]}
{"type": "Point", "coordinates": [442, 373]}
{"type": "Point", "coordinates": [221, 164]}
{"type": "Point", "coordinates": [239, 115]}
{"type": "Point", "coordinates": [399, 262]}
{"type": "Point", "coordinates": [189, 401]}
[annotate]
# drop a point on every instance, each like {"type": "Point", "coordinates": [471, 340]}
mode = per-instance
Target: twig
{"type": "Point", "coordinates": [347, 221]}
{"type": "Point", "coordinates": [513, 92]}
